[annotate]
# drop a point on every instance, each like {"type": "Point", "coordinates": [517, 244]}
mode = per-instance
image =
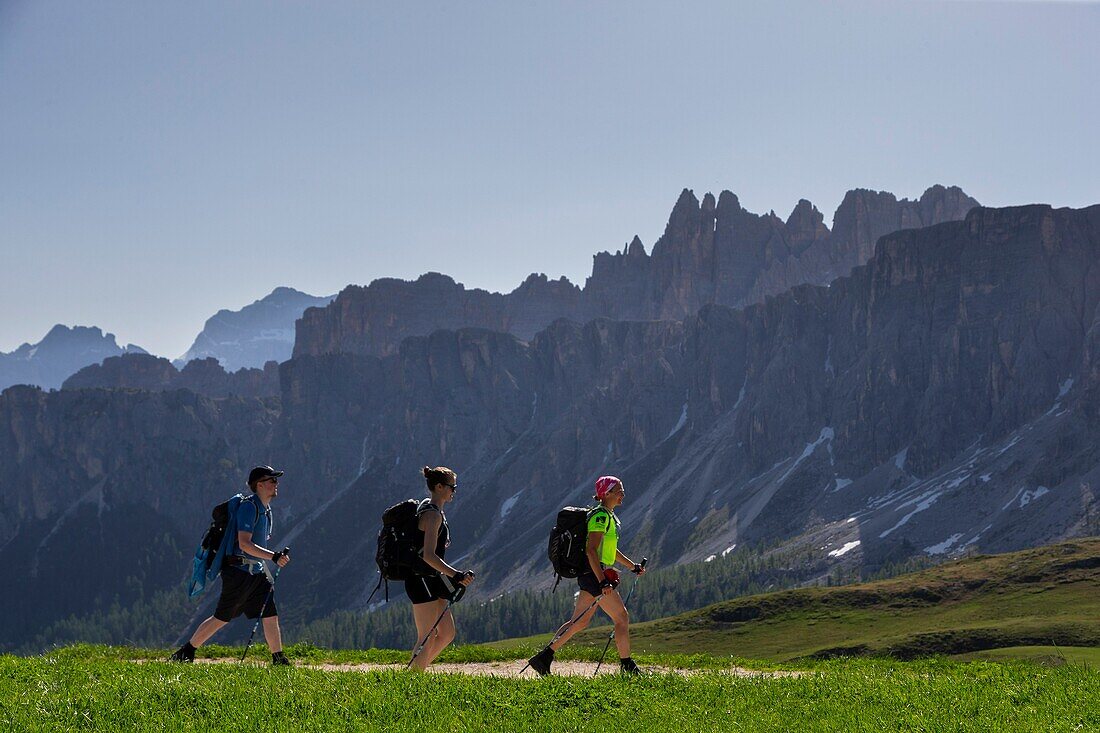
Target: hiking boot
{"type": "Point", "coordinates": [278, 659]}
{"type": "Point", "coordinates": [541, 662]}
{"type": "Point", "coordinates": [627, 666]}
{"type": "Point", "coordinates": [185, 653]}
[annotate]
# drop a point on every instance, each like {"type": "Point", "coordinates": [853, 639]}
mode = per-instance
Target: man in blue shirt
{"type": "Point", "coordinates": [246, 587]}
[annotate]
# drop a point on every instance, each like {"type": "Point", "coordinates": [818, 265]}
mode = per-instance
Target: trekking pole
{"type": "Point", "coordinates": [565, 628]}
{"type": "Point", "coordinates": [270, 592]}
{"type": "Point", "coordinates": [456, 596]}
{"type": "Point", "coordinates": [612, 634]}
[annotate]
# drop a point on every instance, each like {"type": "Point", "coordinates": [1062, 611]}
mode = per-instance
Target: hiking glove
{"type": "Point", "coordinates": [611, 576]}
{"type": "Point", "coordinates": [460, 576]}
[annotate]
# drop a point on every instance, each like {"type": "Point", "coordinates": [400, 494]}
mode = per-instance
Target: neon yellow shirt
{"type": "Point", "coordinates": [604, 520]}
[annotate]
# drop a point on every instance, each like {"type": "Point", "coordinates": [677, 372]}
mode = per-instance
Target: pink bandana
{"type": "Point", "coordinates": [605, 484]}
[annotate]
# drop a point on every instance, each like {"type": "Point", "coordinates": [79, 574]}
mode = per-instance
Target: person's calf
{"type": "Point", "coordinates": [438, 645]}
{"type": "Point", "coordinates": [272, 633]}
{"type": "Point", "coordinates": [207, 629]}
{"type": "Point", "coordinates": [622, 643]}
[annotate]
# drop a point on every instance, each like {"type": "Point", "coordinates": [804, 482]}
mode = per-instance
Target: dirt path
{"type": "Point", "coordinates": [513, 669]}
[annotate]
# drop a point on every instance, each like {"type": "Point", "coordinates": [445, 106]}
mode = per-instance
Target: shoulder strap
{"type": "Point", "coordinates": [255, 500]}
{"type": "Point", "coordinates": [427, 505]}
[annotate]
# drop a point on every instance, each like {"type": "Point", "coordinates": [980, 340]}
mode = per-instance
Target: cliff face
{"type": "Point", "coordinates": [931, 398]}
{"type": "Point", "coordinates": [373, 320]}
{"type": "Point", "coordinates": [712, 251]}
{"type": "Point", "coordinates": [105, 493]}
{"type": "Point", "coordinates": [203, 376]}
{"type": "Point", "coordinates": [525, 423]}
{"type": "Point", "coordinates": [936, 399]}
{"type": "Point", "coordinates": [862, 217]}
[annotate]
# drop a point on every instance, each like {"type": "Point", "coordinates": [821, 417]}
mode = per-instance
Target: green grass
{"type": "Point", "coordinates": [90, 688]}
{"type": "Point", "coordinates": [1051, 656]}
{"type": "Point", "coordinates": [1046, 596]}
{"type": "Point", "coordinates": [1023, 626]}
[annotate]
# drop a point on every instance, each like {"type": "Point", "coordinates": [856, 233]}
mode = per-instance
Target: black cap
{"type": "Point", "coordinates": [261, 472]}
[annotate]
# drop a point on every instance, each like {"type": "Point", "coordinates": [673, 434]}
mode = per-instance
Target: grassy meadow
{"type": "Point", "coordinates": [1006, 643]}
{"type": "Point", "coordinates": [102, 689]}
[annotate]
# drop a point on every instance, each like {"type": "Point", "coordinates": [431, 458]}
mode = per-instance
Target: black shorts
{"type": "Point", "coordinates": [426, 589]}
{"type": "Point", "coordinates": [589, 584]}
{"type": "Point", "coordinates": [244, 593]}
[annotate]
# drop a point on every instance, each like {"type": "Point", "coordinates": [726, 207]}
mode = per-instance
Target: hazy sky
{"type": "Point", "coordinates": [159, 161]}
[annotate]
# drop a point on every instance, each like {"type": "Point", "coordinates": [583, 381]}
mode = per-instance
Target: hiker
{"type": "Point", "coordinates": [246, 587]}
{"type": "Point", "coordinates": [599, 580]}
{"type": "Point", "coordinates": [429, 592]}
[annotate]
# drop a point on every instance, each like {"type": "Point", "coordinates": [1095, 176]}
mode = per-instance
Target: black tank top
{"type": "Point", "coordinates": [444, 537]}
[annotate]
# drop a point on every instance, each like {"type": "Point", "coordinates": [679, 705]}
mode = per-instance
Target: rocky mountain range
{"type": "Point", "coordinates": [260, 332]}
{"type": "Point", "coordinates": [246, 339]}
{"type": "Point", "coordinates": [59, 354]}
{"type": "Point", "coordinates": [938, 399]}
{"type": "Point", "coordinates": [942, 398]}
{"type": "Point", "coordinates": [153, 373]}
{"type": "Point", "coordinates": [712, 251]}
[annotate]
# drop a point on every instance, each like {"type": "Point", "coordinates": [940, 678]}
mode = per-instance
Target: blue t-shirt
{"type": "Point", "coordinates": [254, 517]}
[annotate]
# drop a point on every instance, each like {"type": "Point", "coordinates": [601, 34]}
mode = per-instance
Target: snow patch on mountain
{"type": "Point", "coordinates": [509, 503]}
{"type": "Point", "coordinates": [679, 423]}
{"type": "Point", "coordinates": [741, 394]}
{"type": "Point", "coordinates": [826, 435]}
{"type": "Point", "coordinates": [1025, 496]}
{"type": "Point", "coordinates": [848, 547]}
{"type": "Point", "coordinates": [942, 547]}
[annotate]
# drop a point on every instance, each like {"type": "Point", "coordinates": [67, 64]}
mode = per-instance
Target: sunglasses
{"type": "Point", "coordinates": [452, 487]}
{"type": "Point", "coordinates": [272, 479]}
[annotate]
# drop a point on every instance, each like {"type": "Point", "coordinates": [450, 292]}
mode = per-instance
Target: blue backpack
{"type": "Point", "coordinates": [207, 563]}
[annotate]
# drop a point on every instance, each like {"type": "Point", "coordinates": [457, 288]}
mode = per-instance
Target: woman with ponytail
{"type": "Point", "coordinates": [429, 593]}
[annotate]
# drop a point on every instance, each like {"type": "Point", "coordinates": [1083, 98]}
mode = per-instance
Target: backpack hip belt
{"type": "Point", "coordinates": [236, 561]}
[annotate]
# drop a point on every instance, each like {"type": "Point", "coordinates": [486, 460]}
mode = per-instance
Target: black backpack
{"type": "Point", "coordinates": [219, 516]}
{"type": "Point", "coordinates": [203, 570]}
{"type": "Point", "coordinates": [568, 538]}
{"type": "Point", "coordinates": [399, 545]}
{"type": "Point", "coordinates": [219, 520]}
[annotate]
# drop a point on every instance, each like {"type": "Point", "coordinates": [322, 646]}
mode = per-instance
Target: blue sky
{"type": "Point", "coordinates": [159, 161]}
